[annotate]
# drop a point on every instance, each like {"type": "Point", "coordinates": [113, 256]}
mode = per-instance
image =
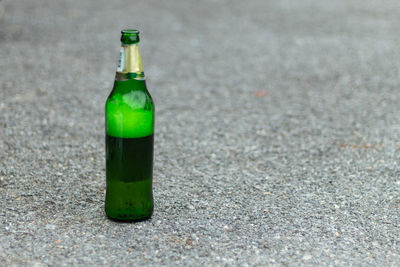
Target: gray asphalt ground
{"type": "Point", "coordinates": [277, 132]}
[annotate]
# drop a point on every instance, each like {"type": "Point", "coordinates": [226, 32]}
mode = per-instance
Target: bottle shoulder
{"type": "Point", "coordinates": [124, 86]}
{"type": "Point", "coordinates": [129, 111]}
{"type": "Point", "coordinates": [131, 94]}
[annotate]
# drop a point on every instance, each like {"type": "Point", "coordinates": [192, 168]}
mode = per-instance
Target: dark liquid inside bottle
{"type": "Point", "coordinates": [129, 171]}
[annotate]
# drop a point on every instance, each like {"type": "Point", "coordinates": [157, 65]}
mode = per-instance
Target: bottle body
{"type": "Point", "coordinates": [129, 121]}
{"type": "Point", "coordinates": [129, 151]}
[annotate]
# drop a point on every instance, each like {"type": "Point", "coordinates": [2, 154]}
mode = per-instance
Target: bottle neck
{"type": "Point", "coordinates": [129, 63]}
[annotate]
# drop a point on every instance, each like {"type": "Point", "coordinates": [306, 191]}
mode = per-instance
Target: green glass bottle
{"type": "Point", "coordinates": [129, 124]}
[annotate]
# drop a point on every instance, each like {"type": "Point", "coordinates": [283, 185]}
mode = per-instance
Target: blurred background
{"type": "Point", "coordinates": [277, 131]}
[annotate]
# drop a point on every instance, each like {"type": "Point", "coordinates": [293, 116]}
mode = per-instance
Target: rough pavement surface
{"type": "Point", "coordinates": [277, 132]}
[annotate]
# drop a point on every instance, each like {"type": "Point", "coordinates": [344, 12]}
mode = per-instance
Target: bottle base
{"type": "Point", "coordinates": [129, 219]}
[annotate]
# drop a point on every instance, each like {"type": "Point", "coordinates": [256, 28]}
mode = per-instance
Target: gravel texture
{"type": "Point", "coordinates": [277, 132]}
